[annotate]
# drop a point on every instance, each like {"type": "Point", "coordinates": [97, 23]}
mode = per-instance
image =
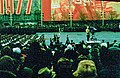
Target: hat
{"type": "Point", "coordinates": [69, 47]}
{"type": "Point", "coordinates": [7, 63]}
{"type": "Point", "coordinates": [113, 55]}
{"type": "Point", "coordinates": [17, 50]}
{"type": "Point", "coordinates": [82, 57]}
{"type": "Point", "coordinates": [86, 68]}
{"type": "Point", "coordinates": [46, 72]}
{"type": "Point", "coordinates": [26, 72]}
{"type": "Point", "coordinates": [116, 45]}
{"type": "Point", "coordinates": [104, 45]}
{"type": "Point", "coordinates": [63, 59]}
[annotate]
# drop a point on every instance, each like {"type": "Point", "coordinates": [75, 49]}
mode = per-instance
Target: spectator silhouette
{"type": "Point", "coordinates": [112, 68]}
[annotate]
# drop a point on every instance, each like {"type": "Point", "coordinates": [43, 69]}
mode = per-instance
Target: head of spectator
{"type": "Point", "coordinates": [6, 51]}
{"type": "Point", "coordinates": [113, 56]}
{"type": "Point", "coordinates": [69, 47]}
{"type": "Point", "coordinates": [104, 45]}
{"type": "Point", "coordinates": [34, 45]}
{"type": "Point", "coordinates": [85, 52]}
{"type": "Point", "coordinates": [16, 53]}
{"type": "Point", "coordinates": [46, 73]}
{"type": "Point", "coordinates": [103, 53]}
{"type": "Point", "coordinates": [115, 41]}
{"type": "Point", "coordinates": [7, 74]}
{"type": "Point", "coordinates": [64, 63]}
{"type": "Point", "coordinates": [64, 68]}
{"type": "Point", "coordinates": [82, 57]}
{"type": "Point", "coordinates": [94, 53]}
{"type": "Point", "coordinates": [72, 42]}
{"type": "Point", "coordinates": [25, 73]}
{"type": "Point", "coordinates": [116, 45]}
{"type": "Point", "coordinates": [7, 63]}
{"type": "Point", "coordinates": [86, 69]}
{"type": "Point", "coordinates": [112, 66]}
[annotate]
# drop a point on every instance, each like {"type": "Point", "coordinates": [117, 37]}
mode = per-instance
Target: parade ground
{"type": "Point", "coordinates": [78, 36]}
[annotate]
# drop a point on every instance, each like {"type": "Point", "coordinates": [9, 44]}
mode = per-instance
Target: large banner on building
{"type": "Point", "coordinates": [84, 10]}
{"type": "Point", "coordinates": [63, 10]}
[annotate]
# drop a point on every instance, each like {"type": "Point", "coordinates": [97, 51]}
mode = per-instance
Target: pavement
{"type": "Point", "coordinates": [78, 36]}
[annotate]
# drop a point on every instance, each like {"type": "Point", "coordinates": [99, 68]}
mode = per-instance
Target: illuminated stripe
{"type": "Point", "coordinates": [12, 6]}
{"type": "Point", "coordinates": [29, 4]}
{"type": "Point", "coordinates": [9, 6]}
{"type": "Point", "coordinates": [19, 7]}
{"type": "Point", "coordinates": [1, 6]}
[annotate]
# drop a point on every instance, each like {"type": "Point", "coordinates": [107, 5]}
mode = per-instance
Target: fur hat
{"type": "Point", "coordinates": [86, 68]}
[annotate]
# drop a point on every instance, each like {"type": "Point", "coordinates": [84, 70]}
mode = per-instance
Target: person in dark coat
{"type": "Point", "coordinates": [112, 68]}
{"type": "Point", "coordinates": [64, 68]}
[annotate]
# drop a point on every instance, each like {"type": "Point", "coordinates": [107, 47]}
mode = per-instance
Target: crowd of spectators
{"type": "Point", "coordinates": [28, 56]}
